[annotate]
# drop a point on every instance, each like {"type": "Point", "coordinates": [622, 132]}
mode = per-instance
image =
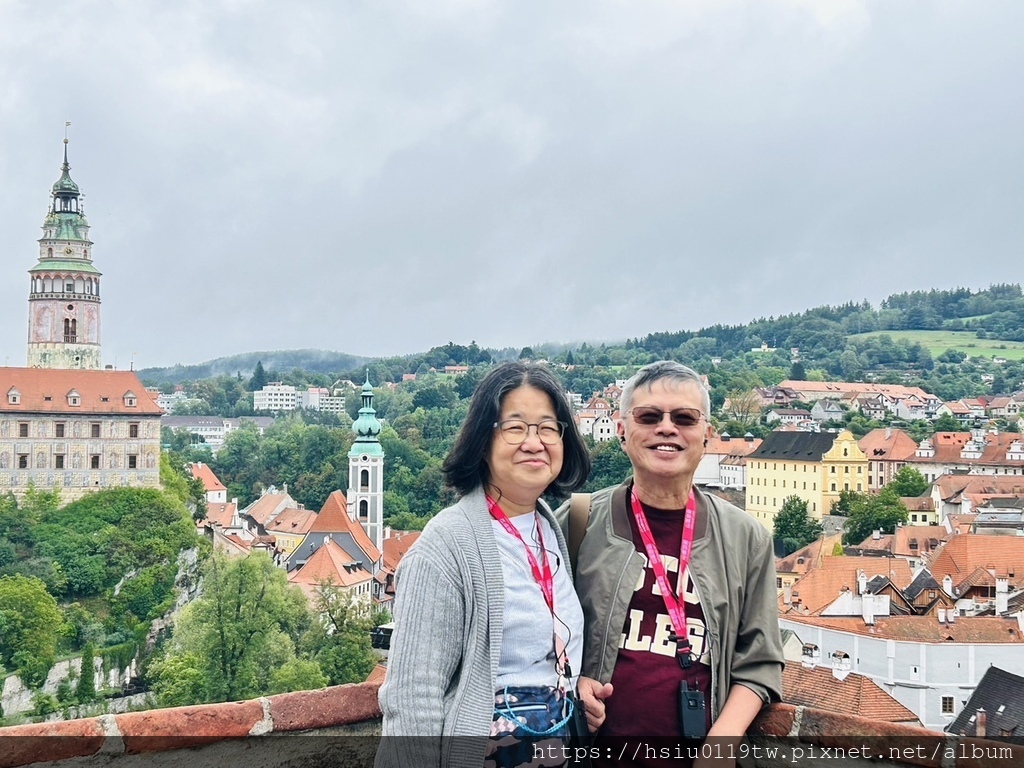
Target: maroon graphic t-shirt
{"type": "Point", "coordinates": [644, 708]}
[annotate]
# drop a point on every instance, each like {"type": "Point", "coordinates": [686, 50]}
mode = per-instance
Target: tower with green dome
{"type": "Point", "coordinates": [366, 471]}
{"type": "Point", "coordinates": [64, 291]}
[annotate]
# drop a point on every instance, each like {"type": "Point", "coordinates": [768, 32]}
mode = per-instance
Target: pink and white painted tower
{"type": "Point", "coordinates": [64, 297]}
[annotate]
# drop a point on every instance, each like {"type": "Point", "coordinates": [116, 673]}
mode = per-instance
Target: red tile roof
{"type": "Point", "coordinates": [329, 564]}
{"type": "Point", "coordinates": [396, 546]}
{"type": "Point", "coordinates": [854, 695]}
{"type": "Point", "coordinates": [45, 390]}
{"type": "Point", "coordinates": [219, 514]}
{"type": "Point", "coordinates": [820, 586]}
{"type": "Point", "coordinates": [887, 445]}
{"type": "Point", "coordinates": [205, 475]}
{"type": "Point", "coordinates": [333, 518]}
{"type": "Point", "coordinates": [921, 629]}
{"type": "Point", "coordinates": [965, 553]}
{"type": "Point", "coordinates": [293, 521]}
{"type": "Point", "coordinates": [268, 505]}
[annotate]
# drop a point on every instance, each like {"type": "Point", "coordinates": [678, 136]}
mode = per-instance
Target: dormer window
{"type": "Point", "coordinates": [129, 399]}
{"type": "Point", "coordinates": [13, 396]}
{"type": "Point", "coordinates": [74, 398]}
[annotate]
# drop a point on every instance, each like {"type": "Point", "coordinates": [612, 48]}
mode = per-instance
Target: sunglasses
{"type": "Point", "coordinates": [649, 416]}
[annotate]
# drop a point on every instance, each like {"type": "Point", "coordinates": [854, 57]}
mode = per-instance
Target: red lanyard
{"type": "Point", "coordinates": [676, 607]}
{"type": "Point", "coordinates": [541, 572]}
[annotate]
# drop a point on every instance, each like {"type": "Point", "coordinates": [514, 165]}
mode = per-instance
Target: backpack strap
{"type": "Point", "coordinates": [579, 517]}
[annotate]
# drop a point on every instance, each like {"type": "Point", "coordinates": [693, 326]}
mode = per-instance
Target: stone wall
{"type": "Point", "coordinates": [340, 726]}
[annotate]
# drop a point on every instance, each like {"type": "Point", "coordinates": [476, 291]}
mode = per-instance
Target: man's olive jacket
{"type": "Point", "coordinates": [733, 568]}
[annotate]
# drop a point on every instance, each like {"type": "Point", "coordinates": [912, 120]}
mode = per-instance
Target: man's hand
{"type": "Point", "coordinates": [593, 694]}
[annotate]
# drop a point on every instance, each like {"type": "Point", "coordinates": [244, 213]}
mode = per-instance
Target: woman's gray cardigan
{"type": "Point", "coordinates": [443, 662]}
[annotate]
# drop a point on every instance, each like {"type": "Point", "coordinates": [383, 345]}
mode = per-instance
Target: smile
{"type": "Point", "coordinates": [667, 448]}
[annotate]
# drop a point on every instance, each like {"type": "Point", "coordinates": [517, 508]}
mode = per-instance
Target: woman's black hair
{"type": "Point", "coordinates": [465, 466]}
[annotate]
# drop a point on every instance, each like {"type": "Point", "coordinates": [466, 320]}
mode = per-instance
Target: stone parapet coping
{"type": "Point", "coordinates": [331, 709]}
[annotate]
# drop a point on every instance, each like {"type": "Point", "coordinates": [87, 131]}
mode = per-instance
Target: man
{"type": "Point", "coordinates": [686, 650]}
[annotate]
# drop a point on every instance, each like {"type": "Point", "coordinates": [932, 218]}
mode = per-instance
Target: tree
{"type": "Point", "coordinates": [947, 423]}
{"type": "Point", "coordinates": [797, 372]}
{"type": "Point", "coordinates": [245, 623]}
{"type": "Point", "coordinates": [259, 378]}
{"type": "Point", "coordinates": [874, 513]}
{"type": "Point", "coordinates": [30, 626]}
{"type": "Point", "coordinates": [340, 640]}
{"type": "Point", "coordinates": [85, 690]}
{"type": "Point", "coordinates": [908, 481]}
{"type": "Point", "coordinates": [794, 526]}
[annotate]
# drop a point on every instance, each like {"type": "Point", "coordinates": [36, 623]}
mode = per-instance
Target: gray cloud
{"type": "Point", "coordinates": [377, 178]}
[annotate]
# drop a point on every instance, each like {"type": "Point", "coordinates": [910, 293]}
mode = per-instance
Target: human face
{"type": "Point", "coordinates": [521, 473]}
{"type": "Point", "coordinates": [665, 455]}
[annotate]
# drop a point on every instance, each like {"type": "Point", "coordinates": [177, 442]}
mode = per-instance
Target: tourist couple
{"type": "Point", "coordinates": [662, 629]}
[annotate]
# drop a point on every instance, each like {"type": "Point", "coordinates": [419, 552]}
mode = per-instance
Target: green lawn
{"type": "Point", "coordinates": [938, 342]}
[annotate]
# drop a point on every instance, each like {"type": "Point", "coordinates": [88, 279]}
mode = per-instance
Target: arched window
{"type": "Point", "coordinates": [364, 509]}
{"type": "Point", "coordinates": [364, 480]}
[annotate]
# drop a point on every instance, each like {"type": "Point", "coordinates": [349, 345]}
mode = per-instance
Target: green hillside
{"type": "Point", "coordinates": [937, 342]}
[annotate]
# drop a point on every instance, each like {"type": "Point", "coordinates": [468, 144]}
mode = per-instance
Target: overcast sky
{"type": "Point", "coordinates": [381, 177]}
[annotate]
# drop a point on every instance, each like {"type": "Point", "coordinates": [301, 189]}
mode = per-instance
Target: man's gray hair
{"type": "Point", "coordinates": [664, 369]}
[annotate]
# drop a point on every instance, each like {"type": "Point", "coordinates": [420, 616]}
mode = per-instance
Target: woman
{"type": "Point", "coordinates": [488, 630]}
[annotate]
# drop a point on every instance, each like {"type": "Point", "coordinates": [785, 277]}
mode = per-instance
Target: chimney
{"type": "Point", "coordinates": [980, 724]}
{"type": "Point", "coordinates": [876, 534]}
{"type": "Point", "coordinates": [862, 582]}
{"type": "Point", "coordinates": [787, 594]}
{"type": "Point", "coordinates": [942, 615]}
{"type": "Point", "coordinates": [1002, 595]}
{"type": "Point", "coordinates": [888, 433]}
{"type": "Point", "coordinates": [868, 609]}
{"type": "Point", "coordinates": [840, 665]}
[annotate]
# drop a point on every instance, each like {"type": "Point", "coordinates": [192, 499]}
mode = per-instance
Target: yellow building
{"type": "Point", "coordinates": [814, 466]}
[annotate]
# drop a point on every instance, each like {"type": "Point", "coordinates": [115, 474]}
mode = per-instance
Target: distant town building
{"type": "Point", "coordinates": [277, 396]}
{"type": "Point", "coordinates": [814, 466]}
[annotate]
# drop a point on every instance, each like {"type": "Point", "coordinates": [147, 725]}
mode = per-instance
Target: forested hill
{"type": "Point", "coordinates": [834, 339]}
{"type": "Point", "coordinates": [996, 312]}
{"type": "Point", "coordinates": [312, 360]}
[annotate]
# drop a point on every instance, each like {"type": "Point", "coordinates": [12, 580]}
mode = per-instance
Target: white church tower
{"type": "Point", "coordinates": [366, 471]}
{"type": "Point", "coordinates": [64, 292]}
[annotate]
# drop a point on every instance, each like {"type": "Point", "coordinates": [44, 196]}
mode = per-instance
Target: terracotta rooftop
{"type": "Point", "coordinates": [921, 629]}
{"type": "Point", "coordinates": [329, 564]}
{"type": "Point", "coordinates": [732, 446]}
{"type": "Point", "coordinates": [822, 585]}
{"type": "Point", "coordinates": [291, 520]}
{"type": "Point", "coordinates": [810, 555]}
{"type": "Point", "coordinates": [396, 546]}
{"type": "Point", "coordinates": [948, 446]}
{"type": "Point", "coordinates": [963, 554]}
{"type": "Point", "coordinates": [856, 694]}
{"type": "Point", "coordinates": [46, 390]}
{"type": "Point", "coordinates": [887, 445]}
{"type": "Point", "coordinates": [268, 505]}
{"type": "Point", "coordinates": [205, 475]}
{"type": "Point", "coordinates": [333, 518]}
{"type": "Point", "coordinates": [838, 388]}
{"type": "Point", "coordinates": [219, 514]}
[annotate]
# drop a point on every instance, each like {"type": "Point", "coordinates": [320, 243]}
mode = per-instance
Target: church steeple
{"type": "Point", "coordinates": [64, 292]}
{"type": "Point", "coordinates": [366, 471]}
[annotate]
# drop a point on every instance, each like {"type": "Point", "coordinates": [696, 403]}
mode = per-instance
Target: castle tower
{"type": "Point", "coordinates": [366, 471]}
{"type": "Point", "coordinates": [64, 291]}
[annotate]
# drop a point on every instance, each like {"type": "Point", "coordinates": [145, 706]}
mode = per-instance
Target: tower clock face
{"type": "Point", "coordinates": [69, 250]}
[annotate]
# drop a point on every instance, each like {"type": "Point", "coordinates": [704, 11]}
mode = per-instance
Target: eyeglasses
{"type": "Point", "coordinates": [515, 431]}
{"type": "Point", "coordinates": [649, 416]}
